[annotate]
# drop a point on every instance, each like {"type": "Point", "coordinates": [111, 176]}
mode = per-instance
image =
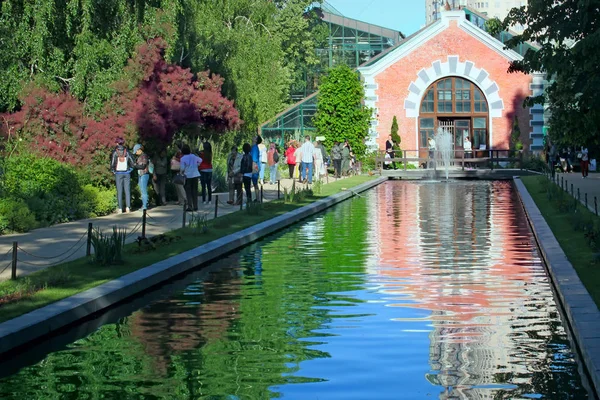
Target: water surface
{"type": "Point", "coordinates": [412, 291]}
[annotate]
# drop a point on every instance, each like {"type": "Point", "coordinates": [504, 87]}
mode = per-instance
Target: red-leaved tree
{"type": "Point", "coordinates": [152, 103]}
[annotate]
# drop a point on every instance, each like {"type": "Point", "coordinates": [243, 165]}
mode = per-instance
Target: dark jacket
{"type": "Point", "coordinates": [121, 151]}
{"type": "Point", "coordinates": [246, 167]}
{"type": "Point", "coordinates": [141, 164]}
{"type": "Point", "coordinates": [336, 152]}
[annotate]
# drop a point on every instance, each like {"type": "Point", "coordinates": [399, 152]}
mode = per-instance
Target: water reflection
{"type": "Point", "coordinates": [412, 291]}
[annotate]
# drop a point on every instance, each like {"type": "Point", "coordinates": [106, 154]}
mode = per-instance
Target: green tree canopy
{"type": "Point", "coordinates": [394, 132]}
{"type": "Point", "coordinates": [341, 113]}
{"type": "Point", "coordinates": [569, 38]}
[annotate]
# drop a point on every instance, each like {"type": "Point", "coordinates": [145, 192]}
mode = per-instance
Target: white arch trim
{"type": "Point", "coordinates": [453, 67]}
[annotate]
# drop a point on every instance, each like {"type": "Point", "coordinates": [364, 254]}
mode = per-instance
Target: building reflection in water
{"type": "Point", "coordinates": [463, 251]}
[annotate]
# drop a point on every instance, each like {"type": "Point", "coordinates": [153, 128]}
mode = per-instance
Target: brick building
{"type": "Point", "coordinates": [451, 73]}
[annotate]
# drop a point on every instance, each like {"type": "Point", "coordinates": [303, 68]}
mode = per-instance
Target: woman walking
{"type": "Point", "coordinates": [175, 167]}
{"type": "Point", "coordinates": [246, 171]}
{"type": "Point", "coordinates": [584, 162]}
{"type": "Point", "coordinates": [318, 162]}
{"type": "Point", "coordinates": [290, 158]}
{"type": "Point", "coordinates": [206, 172]}
{"type": "Point", "coordinates": [189, 167]}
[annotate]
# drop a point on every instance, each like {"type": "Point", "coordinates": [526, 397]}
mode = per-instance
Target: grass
{"type": "Point", "coordinates": [582, 257]}
{"type": "Point", "coordinates": [39, 289]}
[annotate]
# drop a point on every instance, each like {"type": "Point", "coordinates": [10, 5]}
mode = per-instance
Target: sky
{"type": "Point", "coordinates": [406, 16]}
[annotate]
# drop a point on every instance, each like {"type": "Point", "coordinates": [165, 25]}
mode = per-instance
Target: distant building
{"type": "Point", "coordinates": [491, 9]}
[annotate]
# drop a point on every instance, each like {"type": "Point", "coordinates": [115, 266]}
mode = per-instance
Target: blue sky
{"type": "Point", "coordinates": [407, 16]}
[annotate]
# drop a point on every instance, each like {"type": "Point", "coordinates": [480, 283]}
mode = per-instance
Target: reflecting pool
{"type": "Point", "coordinates": [412, 291]}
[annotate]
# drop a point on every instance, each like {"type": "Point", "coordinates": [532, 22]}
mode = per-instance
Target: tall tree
{"type": "Point", "coordinates": [568, 33]}
{"type": "Point", "coordinates": [341, 113]}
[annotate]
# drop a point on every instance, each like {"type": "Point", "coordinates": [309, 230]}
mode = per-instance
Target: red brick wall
{"type": "Point", "coordinates": [393, 86]}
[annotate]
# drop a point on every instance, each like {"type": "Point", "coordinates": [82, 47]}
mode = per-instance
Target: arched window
{"type": "Point", "coordinates": [457, 104]}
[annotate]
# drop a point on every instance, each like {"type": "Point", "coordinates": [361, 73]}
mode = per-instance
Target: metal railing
{"type": "Point", "coordinates": [480, 158]}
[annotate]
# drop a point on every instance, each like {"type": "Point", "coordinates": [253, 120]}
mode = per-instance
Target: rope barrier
{"type": "Point", "coordinates": [7, 254]}
{"type": "Point", "coordinates": [52, 257]}
{"type": "Point", "coordinates": [5, 268]}
{"type": "Point", "coordinates": [54, 263]}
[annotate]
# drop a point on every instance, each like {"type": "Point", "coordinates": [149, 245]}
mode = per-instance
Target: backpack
{"type": "Point", "coordinates": [276, 156]}
{"type": "Point", "coordinates": [246, 164]}
{"type": "Point", "coordinates": [122, 164]}
{"type": "Point", "coordinates": [237, 164]}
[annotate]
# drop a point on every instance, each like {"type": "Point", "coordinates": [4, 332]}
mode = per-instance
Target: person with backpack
{"type": "Point", "coordinates": [273, 161]}
{"type": "Point", "coordinates": [247, 169]}
{"type": "Point", "coordinates": [206, 172]}
{"type": "Point", "coordinates": [142, 164]}
{"type": "Point", "coordinates": [121, 164]}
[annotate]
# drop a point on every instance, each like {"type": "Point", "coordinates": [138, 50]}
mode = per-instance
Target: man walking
{"type": "Point", "coordinates": [389, 150]}
{"type": "Point", "coordinates": [142, 165]}
{"type": "Point", "coordinates": [308, 158]}
{"type": "Point", "coordinates": [121, 165]}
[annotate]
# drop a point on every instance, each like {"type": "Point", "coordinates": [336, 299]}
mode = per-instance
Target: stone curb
{"type": "Point", "coordinates": [21, 330]}
{"type": "Point", "coordinates": [580, 309]}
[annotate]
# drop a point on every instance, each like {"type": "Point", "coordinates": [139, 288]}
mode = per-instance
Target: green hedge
{"type": "Point", "coordinates": [42, 191]}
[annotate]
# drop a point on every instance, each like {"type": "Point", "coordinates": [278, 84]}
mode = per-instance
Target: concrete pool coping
{"type": "Point", "coordinates": [580, 309]}
{"type": "Point", "coordinates": [20, 331]}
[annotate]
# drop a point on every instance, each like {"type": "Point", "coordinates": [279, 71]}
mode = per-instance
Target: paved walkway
{"type": "Point", "coordinates": [589, 186]}
{"type": "Point", "coordinates": [42, 248]}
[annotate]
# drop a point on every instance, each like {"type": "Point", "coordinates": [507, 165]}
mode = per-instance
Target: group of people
{"type": "Point", "coordinates": [310, 160]}
{"type": "Point", "coordinates": [156, 170]}
{"type": "Point", "coordinates": [565, 159]}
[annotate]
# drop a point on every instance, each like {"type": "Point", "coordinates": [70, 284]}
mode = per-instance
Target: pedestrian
{"type": "Point", "coordinates": [298, 157]}
{"type": "Point", "coordinates": [175, 168]}
{"type": "Point", "coordinates": [247, 171]}
{"type": "Point", "coordinates": [291, 158]}
{"type": "Point", "coordinates": [206, 173]}
{"type": "Point", "coordinates": [189, 167]}
{"type": "Point", "coordinates": [273, 162]}
{"type": "Point", "coordinates": [262, 149]}
{"type": "Point", "coordinates": [336, 155]}
{"type": "Point", "coordinates": [308, 159]}
{"type": "Point", "coordinates": [389, 150]}
{"type": "Point", "coordinates": [318, 162]}
{"type": "Point", "coordinates": [159, 177]}
{"type": "Point", "coordinates": [584, 161]}
{"type": "Point", "coordinates": [345, 158]}
{"type": "Point", "coordinates": [468, 149]}
{"type": "Point", "coordinates": [121, 164]}
{"type": "Point", "coordinates": [234, 176]}
{"type": "Point", "coordinates": [255, 153]}
{"type": "Point", "coordinates": [142, 164]}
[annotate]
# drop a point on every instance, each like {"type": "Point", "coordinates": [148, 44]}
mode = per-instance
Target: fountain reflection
{"type": "Point", "coordinates": [462, 252]}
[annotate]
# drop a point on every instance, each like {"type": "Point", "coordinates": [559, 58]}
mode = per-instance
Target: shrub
{"type": "Point", "coordinates": [535, 163]}
{"type": "Point", "coordinates": [15, 216]}
{"type": "Point", "coordinates": [95, 202]}
{"type": "Point", "coordinates": [108, 249]}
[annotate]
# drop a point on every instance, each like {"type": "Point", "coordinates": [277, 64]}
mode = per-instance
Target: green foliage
{"type": "Point", "coordinates": [15, 216]}
{"type": "Point", "coordinates": [569, 53]}
{"type": "Point", "coordinates": [535, 163]}
{"type": "Point", "coordinates": [515, 135]}
{"type": "Point", "coordinates": [295, 195]}
{"type": "Point", "coordinates": [254, 208]}
{"type": "Point", "coordinates": [96, 202]}
{"type": "Point", "coordinates": [198, 223]}
{"type": "Point", "coordinates": [341, 113]}
{"type": "Point", "coordinates": [493, 26]}
{"type": "Point", "coordinates": [394, 133]}
{"type": "Point", "coordinates": [108, 248]}
{"type": "Point", "coordinates": [317, 187]}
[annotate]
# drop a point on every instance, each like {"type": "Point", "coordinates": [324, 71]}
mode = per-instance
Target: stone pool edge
{"type": "Point", "coordinates": [19, 331]}
{"type": "Point", "coordinates": [580, 308]}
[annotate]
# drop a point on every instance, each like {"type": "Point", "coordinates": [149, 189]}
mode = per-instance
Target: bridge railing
{"type": "Point", "coordinates": [481, 158]}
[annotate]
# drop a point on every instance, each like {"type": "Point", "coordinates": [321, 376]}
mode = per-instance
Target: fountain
{"type": "Point", "coordinates": [443, 146]}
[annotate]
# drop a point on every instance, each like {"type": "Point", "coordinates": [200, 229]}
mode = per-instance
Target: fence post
{"type": "Point", "coordinates": [586, 200]}
{"type": "Point", "coordinates": [596, 205]}
{"type": "Point", "coordinates": [261, 194]}
{"type": "Point", "coordinates": [216, 205]}
{"type": "Point", "coordinates": [578, 196]}
{"type": "Point", "coordinates": [404, 160]}
{"type": "Point", "coordinates": [521, 160]}
{"type": "Point", "coordinates": [88, 249]}
{"type": "Point", "coordinates": [13, 272]}
{"type": "Point", "coordinates": [463, 160]}
{"type": "Point", "coordinates": [144, 224]}
{"type": "Point", "coordinates": [279, 188]}
{"type": "Point", "coordinates": [562, 182]}
{"type": "Point", "coordinates": [571, 189]}
{"type": "Point", "coordinates": [183, 214]}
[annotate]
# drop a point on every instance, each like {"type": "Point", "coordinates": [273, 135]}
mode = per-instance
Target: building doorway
{"type": "Point", "coordinates": [458, 105]}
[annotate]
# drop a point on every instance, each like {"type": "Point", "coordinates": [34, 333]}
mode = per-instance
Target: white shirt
{"type": "Point", "coordinates": [308, 151]}
{"type": "Point", "coordinates": [584, 154]}
{"type": "Point", "coordinates": [467, 145]}
{"type": "Point", "coordinates": [189, 165]}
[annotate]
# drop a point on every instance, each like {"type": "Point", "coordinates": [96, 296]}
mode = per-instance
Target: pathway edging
{"type": "Point", "coordinates": [21, 330]}
{"type": "Point", "coordinates": [580, 308]}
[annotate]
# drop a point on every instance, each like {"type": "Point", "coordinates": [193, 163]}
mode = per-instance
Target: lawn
{"type": "Point", "coordinates": [55, 283]}
{"type": "Point", "coordinates": [573, 242]}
